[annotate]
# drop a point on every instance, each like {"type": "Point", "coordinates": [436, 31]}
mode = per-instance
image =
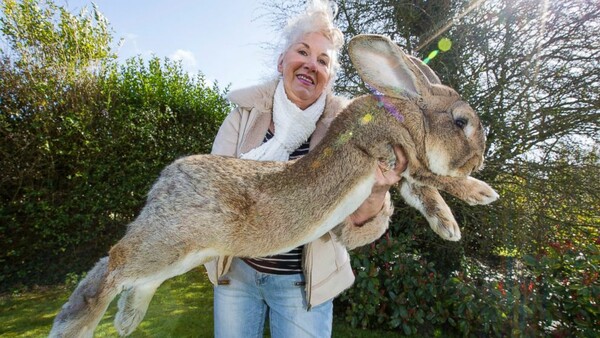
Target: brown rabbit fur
{"type": "Point", "coordinates": [205, 206]}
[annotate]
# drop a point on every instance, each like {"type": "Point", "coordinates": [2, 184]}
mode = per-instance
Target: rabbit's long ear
{"type": "Point", "coordinates": [383, 65]}
{"type": "Point", "coordinates": [428, 72]}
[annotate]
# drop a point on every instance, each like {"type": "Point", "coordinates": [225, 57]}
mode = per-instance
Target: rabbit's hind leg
{"type": "Point", "coordinates": [134, 301]}
{"type": "Point", "coordinates": [133, 304]}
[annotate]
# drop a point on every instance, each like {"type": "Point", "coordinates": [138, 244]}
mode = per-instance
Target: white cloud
{"type": "Point", "coordinates": [130, 41]}
{"type": "Point", "coordinates": [188, 60]}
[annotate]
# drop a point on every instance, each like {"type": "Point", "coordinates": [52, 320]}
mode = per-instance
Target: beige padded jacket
{"type": "Point", "coordinates": [325, 263]}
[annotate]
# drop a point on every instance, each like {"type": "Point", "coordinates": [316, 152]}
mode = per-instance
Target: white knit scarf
{"type": "Point", "coordinates": [293, 126]}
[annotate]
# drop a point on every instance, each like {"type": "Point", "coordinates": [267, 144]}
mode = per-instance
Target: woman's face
{"type": "Point", "coordinates": [306, 68]}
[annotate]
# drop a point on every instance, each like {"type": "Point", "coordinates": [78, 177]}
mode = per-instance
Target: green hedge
{"type": "Point", "coordinates": [78, 157]}
{"type": "Point", "coordinates": [403, 284]}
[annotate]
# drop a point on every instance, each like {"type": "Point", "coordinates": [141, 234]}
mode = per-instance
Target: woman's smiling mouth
{"type": "Point", "coordinates": [305, 79]}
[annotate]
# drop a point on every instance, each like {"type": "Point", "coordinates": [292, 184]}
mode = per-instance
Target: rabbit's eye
{"type": "Point", "coordinates": [461, 122]}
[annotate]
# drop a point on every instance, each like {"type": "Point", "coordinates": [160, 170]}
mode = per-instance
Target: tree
{"type": "Point", "coordinates": [40, 34]}
{"type": "Point", "coordinates": [530, 68]}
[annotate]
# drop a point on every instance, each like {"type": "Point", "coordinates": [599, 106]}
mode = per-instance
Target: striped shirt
{"type": "Point", "coordinates": [286, 263]}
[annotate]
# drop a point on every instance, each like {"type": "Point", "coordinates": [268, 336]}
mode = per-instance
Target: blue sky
{"type": "Point", "coordinates": [225, 40]}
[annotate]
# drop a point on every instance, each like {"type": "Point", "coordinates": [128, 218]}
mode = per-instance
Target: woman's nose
{"type": "Point", "coordinates": [311, 65]}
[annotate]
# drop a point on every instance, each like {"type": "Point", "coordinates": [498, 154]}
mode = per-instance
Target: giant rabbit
{"type": "Point", "coordinates": [204, 206]}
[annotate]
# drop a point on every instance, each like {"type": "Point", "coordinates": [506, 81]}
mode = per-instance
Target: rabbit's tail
{"type": "Point", "coordinates": [84, 309]}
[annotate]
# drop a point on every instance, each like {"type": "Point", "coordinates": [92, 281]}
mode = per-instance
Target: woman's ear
{"type": "Point", "coordinates": [280, 63]}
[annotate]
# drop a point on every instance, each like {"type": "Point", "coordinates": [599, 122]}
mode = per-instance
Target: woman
{"type": "Point", "coordinates": [281, 120]}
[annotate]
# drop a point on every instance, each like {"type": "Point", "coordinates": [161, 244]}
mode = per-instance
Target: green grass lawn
{"type": "Point", "coordinates": [182, 307]}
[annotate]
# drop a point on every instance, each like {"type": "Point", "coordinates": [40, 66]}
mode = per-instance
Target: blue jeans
{"type": "Point", "coordinates": [245, 297]}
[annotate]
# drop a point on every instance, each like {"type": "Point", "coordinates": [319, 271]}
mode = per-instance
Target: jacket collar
{"type": "Point", "coordinates": [258, 96]}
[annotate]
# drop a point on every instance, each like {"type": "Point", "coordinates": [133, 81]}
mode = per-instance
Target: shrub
{"type": "Point", "coordinates": [563, 288]}
{"type": "Point", "coordinates": [396, 287]}
{"type": "Point", "coordinates": [82, 138]}
{"type": "Point", "coordinates": [556, 293]}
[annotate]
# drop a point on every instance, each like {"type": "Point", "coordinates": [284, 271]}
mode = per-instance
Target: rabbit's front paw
{"type": "Point", "coordinates": [445, 227]}
{"type": "Point", "coordinates": [479, 192]}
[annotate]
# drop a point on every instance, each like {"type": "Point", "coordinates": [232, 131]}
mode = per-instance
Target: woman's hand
{"type": "Point", "coordinates": [385, 177]}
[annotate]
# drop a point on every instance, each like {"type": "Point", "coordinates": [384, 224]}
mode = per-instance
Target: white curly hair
{"type": "Point", "coordinates": [317, 18]}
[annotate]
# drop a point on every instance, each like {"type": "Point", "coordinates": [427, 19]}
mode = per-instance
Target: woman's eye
{"type": "Point", "coordinates": [303, 52]}
{"type": "Point", "coordinates": [323, 62]}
